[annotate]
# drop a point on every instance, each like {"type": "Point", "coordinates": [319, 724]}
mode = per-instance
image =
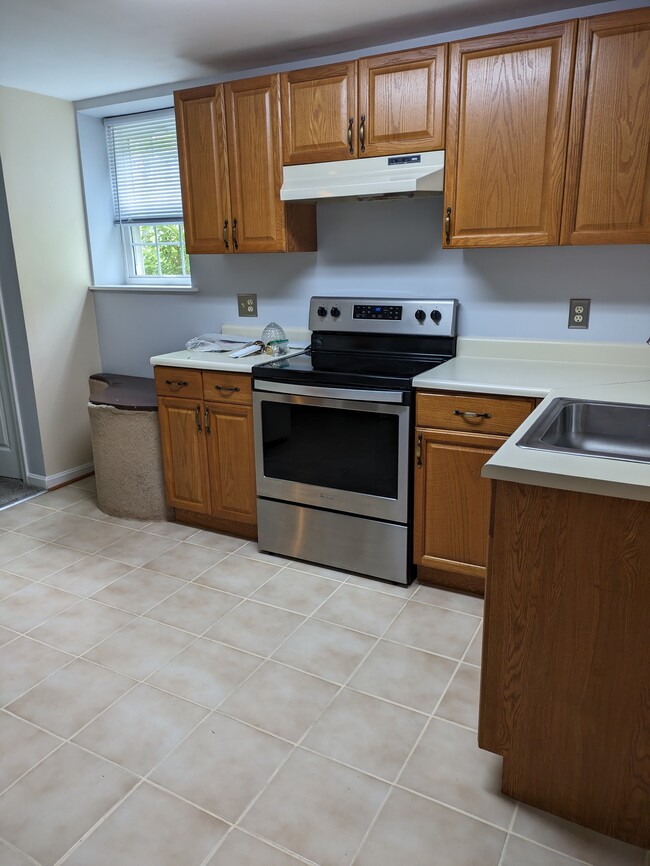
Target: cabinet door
{"type": "Point", "coordinates": [255, 160]}
{"type": "Point", "coordinates": [232, 461]}
{"type": "Point", "coordinates": [509, 99]}
{"type": "Point", "coordinates": [319, 114]}
{"type": "Point", "coordinates": [201, 131]}
{"type": "Point", "coordinates": [607, 199]}
{"type": "Point", "coordinates": [185, 455]}
{"type": "Point", "coordinates": [402, 101]}
{"type": "Point", "coordinates": [452, 500]}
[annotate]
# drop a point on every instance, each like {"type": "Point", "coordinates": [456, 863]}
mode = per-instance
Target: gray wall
{"type": "Point", "coordinates": [390, 248]}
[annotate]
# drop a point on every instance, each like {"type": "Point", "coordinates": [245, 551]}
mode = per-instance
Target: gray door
{"type": "Point", "coordinates": [10, 454]}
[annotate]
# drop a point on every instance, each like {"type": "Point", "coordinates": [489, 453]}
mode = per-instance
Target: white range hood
{"type": "Point", "coordinates": [376, 177]}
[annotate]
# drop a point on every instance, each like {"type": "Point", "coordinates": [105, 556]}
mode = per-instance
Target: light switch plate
{"type": "Point", "coordinates": [579, 312]}
{"type": "Point", "coordinates": [247, 305]}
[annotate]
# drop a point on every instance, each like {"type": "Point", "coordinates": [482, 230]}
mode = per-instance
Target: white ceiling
{"type": "Point", "coordinates": [76, 49]}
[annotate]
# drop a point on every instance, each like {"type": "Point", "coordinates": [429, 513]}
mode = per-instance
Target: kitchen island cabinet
{"type": "Point", "coordinates": [565, 686]}
{"type": "Point", "coordinates": [230, 153]}
{"type": "Point", "coordinates": [455, 436]}
{"type": "Point", "coordinates": [376, 106]}
{"type": "Point", "coordinates": [507, 130]}
{"type": "Point", "coordinates": [207, 443]}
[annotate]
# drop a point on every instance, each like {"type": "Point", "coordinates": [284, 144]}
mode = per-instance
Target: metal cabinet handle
{"type": "Point", "coordinates": [472, 414]}
{"type": "Point", "coordinates": [225, 388]}
{"type": "Point", "coordinates": [362, 133]}
{"type": "Point", "coordinates": [197, 418]}
{"type": "Point", "coordinates": [350, 125]}
{"type": "Point", "coordinates": [235, 242]}
{"type": "Point", "coordinates": [176, 383]}
{"type": "Point", "coordinates": [206, 420]}
{"type": "Point", "coordinates": [448, 226]}
{"type": "Point", "coordinates": [418, 452]}
{"type": "Point", "coordinates": [225, 234]}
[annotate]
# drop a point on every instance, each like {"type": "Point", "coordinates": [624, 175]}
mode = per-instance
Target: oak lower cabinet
{"type": "Point", "coordinates": [455, 436]}
{"type": "Point", "coordinates": [208, 454]}
{"type": "Point", "coordinates": [507, 131]}
{"type": "Point", "coordinates": [376, 106]}
{"type": "Point", "coordinates": [607, 199]}
{"type": "Point", "coordinates": [565, 681]}
{"type": "Point", "coordinates": [230, 155]}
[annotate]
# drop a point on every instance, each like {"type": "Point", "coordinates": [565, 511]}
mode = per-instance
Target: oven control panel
{"type": "Point", "coordinates": [412, 316]}
{"type": "Point", "coordinates": [380, 311]}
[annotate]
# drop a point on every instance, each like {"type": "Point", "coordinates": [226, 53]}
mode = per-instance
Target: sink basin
{"type": "Point", "coordinates": [620, 431]}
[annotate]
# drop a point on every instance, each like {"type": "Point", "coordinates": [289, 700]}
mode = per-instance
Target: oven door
{"type": "Point", "coordinates": [341, 449]}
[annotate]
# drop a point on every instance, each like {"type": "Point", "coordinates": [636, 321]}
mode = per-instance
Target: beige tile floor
{"type": "Point", "coordinates": [174, 697]}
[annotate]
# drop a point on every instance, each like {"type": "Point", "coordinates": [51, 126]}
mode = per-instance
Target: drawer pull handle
{"type": "Point", "coordinates": [206, 420]}
{"type": "Point", "coordinates": [472, 414]}
{"type": "Point", "coordinates": [418, 453]}
{"type": "Point", "coordinates": [176, 383]}
{"type": "Point", "coordinates": [226, 388]}
{"type": "Point", "coordinates": [197, 418]}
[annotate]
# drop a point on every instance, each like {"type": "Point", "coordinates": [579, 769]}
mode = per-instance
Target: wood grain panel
{"type": "Point", "coordinates": [402, 98]}
{"type": "Point", "coordinates": [565, 692]}
{"type": "Point", "coordinates": [178, 382]}
{"type": "Point", "coordinates": [509, 99]}
{"type": "Point", "coordinates": [608, 174]}
{"type": "Point", "coordinates": [232, 462]}
{"type": "Point", "coordinates": [201, 132]}
{"type": "Point", "coordinates": [438, 410]}
{"type": "Point", "coordinates": [225, 387]}
{"type": "Point", "coordinates": [317, 105]}
{"type": "Point", "coordinates": [452, 501]}
{"type": "Point", "coordinates": [185, 456]}
{"type": "Point", "coordinates": [253, 124]}
{"type": "Point", "coordinates": [217, 524]}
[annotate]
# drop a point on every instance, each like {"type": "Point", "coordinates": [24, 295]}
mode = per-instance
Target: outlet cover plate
{"type": "Point", "coordinates": [579, 312]}
{"type": "Point", "coordinates": [247, 305]}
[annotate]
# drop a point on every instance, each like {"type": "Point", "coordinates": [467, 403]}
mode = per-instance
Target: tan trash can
{"type": "Point", "coordinates": [125, 435]}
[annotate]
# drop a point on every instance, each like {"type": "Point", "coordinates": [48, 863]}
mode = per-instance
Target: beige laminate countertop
{"type": "Point", "coordinates": [214, 360]}
{"type": "Point", "coordinates": [605, 372]}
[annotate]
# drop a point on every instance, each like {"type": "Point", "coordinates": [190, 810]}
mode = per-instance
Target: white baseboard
{"type": "Point", "coordinates": [45, 482]}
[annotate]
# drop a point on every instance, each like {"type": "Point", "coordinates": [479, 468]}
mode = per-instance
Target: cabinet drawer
{"type": "Point", "coordinates": [227, 387]}
{"type": "Point", "coordinates": [178, 382]}
{"type": "Point", "coordinates": [477, 412]}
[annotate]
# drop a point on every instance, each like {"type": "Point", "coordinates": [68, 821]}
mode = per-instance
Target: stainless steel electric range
{"type": "Point", "coordinates": [334, 433]}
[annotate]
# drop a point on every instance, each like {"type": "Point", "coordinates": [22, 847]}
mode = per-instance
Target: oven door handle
{"type": "Point", "coordinates": [361, 396]}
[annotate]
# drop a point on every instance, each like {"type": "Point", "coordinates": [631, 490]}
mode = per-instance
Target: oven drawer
{"type": "Point", "coordinates": [479, 413]}
{"type": "Point", "coordinates": [227, 387]}
{"type": "Point", "coordinates": [178, 382]}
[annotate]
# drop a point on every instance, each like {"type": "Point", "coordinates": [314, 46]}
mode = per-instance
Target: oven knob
{"type": "Point", "coordinates": [322, 312]}
{"type": "Point", "coordinates": [420, 315]}
{"type": "Point", "coordinates": [436, 315]}
{"type": "Point", "coordinates": [335, 312]}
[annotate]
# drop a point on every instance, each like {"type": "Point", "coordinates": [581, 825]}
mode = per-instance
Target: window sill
{"type": "Point", "coordinates": [160, 290]}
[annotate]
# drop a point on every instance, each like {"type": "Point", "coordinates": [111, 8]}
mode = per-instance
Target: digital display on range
{"type": "Point", "coordinates": [371, 311]}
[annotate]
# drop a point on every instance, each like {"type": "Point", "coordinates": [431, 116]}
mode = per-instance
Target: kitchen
{"type": "Point", "coordinates": [385, 249]}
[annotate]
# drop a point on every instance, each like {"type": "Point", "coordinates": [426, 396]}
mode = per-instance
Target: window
{"type": "Point", "coordinates": [145, 182]}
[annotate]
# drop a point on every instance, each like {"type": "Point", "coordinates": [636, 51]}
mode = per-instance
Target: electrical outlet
{"type": "Point", "coordinates": [579, 312]}
{"type": "Point", "coordinates": [247, 305]}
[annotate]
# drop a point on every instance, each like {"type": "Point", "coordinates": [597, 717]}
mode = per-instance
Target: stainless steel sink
{"type": "Point", "coordinates": [620, 431]}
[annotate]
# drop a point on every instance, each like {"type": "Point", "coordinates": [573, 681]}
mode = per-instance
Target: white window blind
{"type": "Point", "coordinates": [143, 161]}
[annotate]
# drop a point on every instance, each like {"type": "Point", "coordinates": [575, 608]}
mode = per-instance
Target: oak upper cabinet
{"type": "Point", "coordinates": [230, 150]}
{"type": "Point", "coordinates": [456, 435]}
{"type": "Point", "coordinates": [203, 162]}
{"type": "Point", "coordinates": [376, 106]}
{"type": "Point", "coordinates": [185, 456]}
{"type": "Point", "coordinates": [402, 101]}
{"type": "Point", "coordinates": [607, 199]}
{"type": "Point", "coordinates": [508, 121]}
{"type": "Point", "coordinates": [319, 113]}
